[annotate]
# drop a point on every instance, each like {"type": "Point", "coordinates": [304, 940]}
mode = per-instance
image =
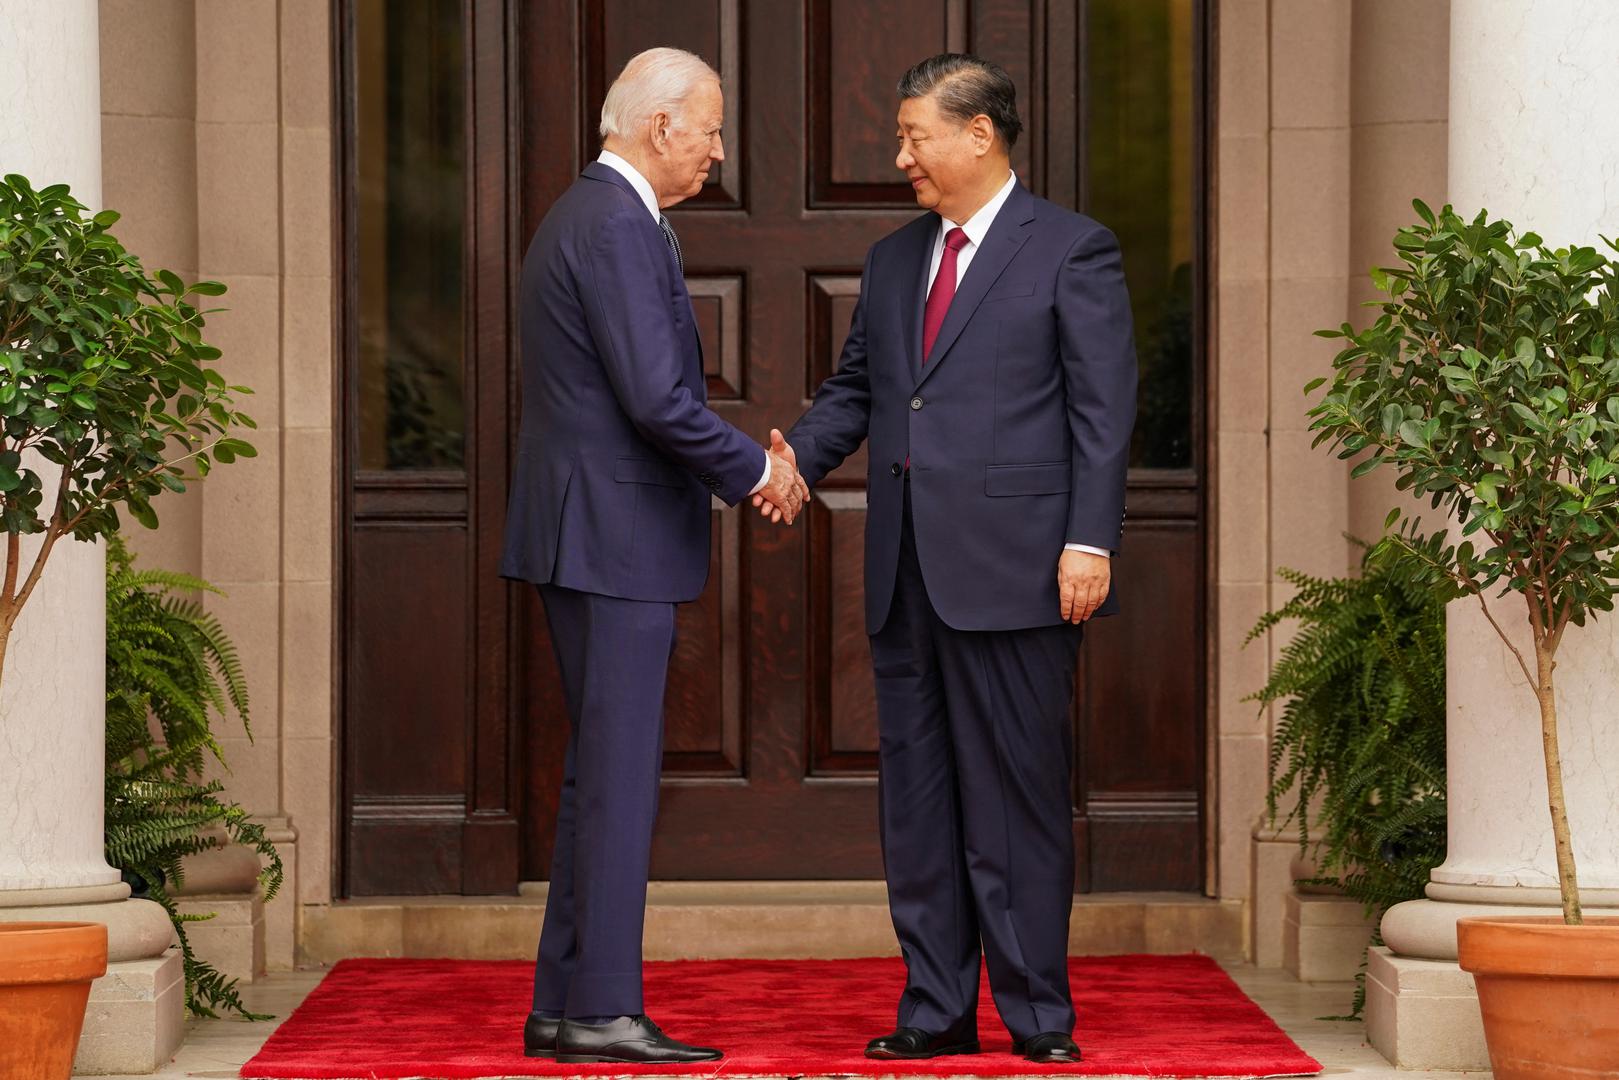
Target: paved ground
{"type": "Point", "coordinates": [215, 1049]}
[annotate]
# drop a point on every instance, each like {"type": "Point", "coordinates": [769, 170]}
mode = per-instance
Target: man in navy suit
{"type": "Point", "coordinates": [991, 365]}
{"type": "Point", "coordinates": [617, 457]}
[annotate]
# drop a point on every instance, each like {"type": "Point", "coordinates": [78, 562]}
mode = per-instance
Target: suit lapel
{"type": "Point", "coordinates": [1004, 240]}
{"type": "Point", "coordinates": [915, 255]}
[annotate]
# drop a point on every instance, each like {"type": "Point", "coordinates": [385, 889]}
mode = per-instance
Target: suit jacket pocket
{"type": "Point", "coordinates": [1010, 291]}
{"type": "Point", "coordinates": [628, 470]}
{"type": "Point", "coordinates": [1048, 478]}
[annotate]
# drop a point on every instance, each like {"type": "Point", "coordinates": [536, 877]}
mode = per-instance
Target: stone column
{"type": "Point", "coordinates": [1533, 138]}
{"type": "Point", "coordinates": [52, 701]}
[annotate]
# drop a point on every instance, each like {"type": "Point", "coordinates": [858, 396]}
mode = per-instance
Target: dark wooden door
{"type": "Point", "coordinates": [771, 728]}
{"type": "Point", "coordinates": [455, 139]}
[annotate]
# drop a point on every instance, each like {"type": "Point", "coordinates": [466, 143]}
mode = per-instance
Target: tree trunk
{"type": "Point", "coordinates": [1567, 881]}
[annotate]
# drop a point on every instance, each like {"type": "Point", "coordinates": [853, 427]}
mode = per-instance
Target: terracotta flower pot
{"type": "Point", "coordinates": [45, 974]}
{"type": "Point", "coordinates": [1549, 994]}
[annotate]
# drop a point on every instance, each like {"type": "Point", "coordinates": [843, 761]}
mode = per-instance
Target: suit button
{"type": "Point", "coordinates": [916, 403]}
{"type": "Point", "coordinates": [894, 468]}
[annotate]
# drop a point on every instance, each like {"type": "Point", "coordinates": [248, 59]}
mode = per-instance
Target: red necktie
{"type": "Point", "coordinates": [939, 297]}
{"type": "Point", "coordinates": [943, 290]}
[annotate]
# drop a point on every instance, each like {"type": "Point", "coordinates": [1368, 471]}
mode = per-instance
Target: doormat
{"type": "Point", "coordinates": [1138, 1016]}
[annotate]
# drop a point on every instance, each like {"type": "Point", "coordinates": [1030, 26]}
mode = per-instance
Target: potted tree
{"type": "Point", "coordinates": [106, 391]}
{"type": "Point", "coordinates": [1490, 382]}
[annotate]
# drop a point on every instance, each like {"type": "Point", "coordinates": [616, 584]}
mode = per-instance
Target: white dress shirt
{"type": "Point", "coordinates": [650, 198]}
{"type": "Point", "coordinates": [976, 228]}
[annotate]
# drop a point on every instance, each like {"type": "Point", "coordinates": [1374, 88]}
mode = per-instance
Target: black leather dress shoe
{"type": "Point", "coordinates": [629, 1040]}
{"type": "Point", "coordinates": [909, 1044]}
{"type": "Point", "coordinates": [1048, 1048]}
{"type": "Point", "coordinates": [539, 1036]}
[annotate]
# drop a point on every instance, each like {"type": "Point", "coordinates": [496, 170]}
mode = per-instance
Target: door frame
{"type": "Point", "coordinates": [489, 835]}
{"type": "Point", "coordinates": [498, 43]}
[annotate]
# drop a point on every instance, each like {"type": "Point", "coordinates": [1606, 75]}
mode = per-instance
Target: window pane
{"type": "Point", "coordinates": [410, 190]}
{"type": "Point", "coordinates": [1138, 104]}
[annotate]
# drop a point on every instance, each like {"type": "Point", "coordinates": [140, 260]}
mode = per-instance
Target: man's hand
{"type": "Point", "coordinates": [785, 493]}
{"type": "Point", "coordinates": [1082, 582]}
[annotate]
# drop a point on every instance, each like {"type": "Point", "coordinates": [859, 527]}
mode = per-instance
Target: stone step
{"type": "Point", "coordinates": [752, 919]}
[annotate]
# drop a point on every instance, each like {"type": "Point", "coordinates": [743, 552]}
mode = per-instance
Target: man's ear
{"type": "Point", "coordinates": [982, 129]}
{"type": "Point", "coordinates": [660, 131]}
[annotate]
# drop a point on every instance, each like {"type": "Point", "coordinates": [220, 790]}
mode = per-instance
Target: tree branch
{"type": "Point", "coordinates": [52, 534]}
{"type": "Point", "coordinates": [1502, 634]}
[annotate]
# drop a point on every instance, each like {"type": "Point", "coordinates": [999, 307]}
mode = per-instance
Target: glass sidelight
{"type": "Point", "coordinates": [1139, 178]}
{"type": "Point", "coordinates": [410, 209]}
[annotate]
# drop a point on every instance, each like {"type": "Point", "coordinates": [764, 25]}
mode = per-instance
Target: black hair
{"type": "Point", "coordinates": [965, 86]}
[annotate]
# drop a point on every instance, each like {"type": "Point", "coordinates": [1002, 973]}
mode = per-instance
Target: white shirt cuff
{"type": "Point", "coordinates": [763, 480]}
{"type": "Point", "coordinates": [1089, 550]}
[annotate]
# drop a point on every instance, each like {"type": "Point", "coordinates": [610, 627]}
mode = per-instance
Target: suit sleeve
{"type": "Point", "coordinates": [634, 332]}
{"type": "Point", "coordinates": [1097, 342]}
{"type": "Point", "coordinates": [838, 419]}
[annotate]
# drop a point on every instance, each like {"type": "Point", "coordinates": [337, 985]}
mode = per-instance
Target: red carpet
{"type": "Point", "coordinates": [1138, 1016]}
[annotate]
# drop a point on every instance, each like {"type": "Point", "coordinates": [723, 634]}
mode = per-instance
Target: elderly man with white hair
{"type": "Point", "coordinates": [609, 516]}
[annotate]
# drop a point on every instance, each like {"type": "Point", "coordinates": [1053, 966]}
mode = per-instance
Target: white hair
{"type": "Point", "coordinates": [655, 81]}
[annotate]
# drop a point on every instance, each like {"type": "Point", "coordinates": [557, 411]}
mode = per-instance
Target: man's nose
{"type": "Point", "coordinates": [904, 159]}
{"type": "Point", "coordinates": [717, 151]}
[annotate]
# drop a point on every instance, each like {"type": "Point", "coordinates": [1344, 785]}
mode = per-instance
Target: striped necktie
{"type": "Point", "coordinates": [672, 240]}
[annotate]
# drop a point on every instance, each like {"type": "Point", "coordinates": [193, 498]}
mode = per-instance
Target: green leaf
{"type": "Point", "coordinates": [1528, 415]}
{"type": "Point", "coordinates": [1391, 418]}
{"type": "Point", "coordinates": [107, 218]}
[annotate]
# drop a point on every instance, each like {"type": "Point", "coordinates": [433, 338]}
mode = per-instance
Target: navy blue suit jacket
{"type": "Point", "coordinates": [618, 451]}
{"type": "Point", "coordinates": [1017, 427]}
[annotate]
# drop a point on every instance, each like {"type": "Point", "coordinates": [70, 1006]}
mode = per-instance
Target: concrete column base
{"type": "Point", "coordinates": [224, 882]}
{"type": "Point", "coordinates": [1423, 1014]}
{"type": "Point", "coordinates": [233, 940]}
{"type": "Point", "coordinates": [281, 914]}
{"type": "Point", "coordinates": [136, 1017]}
{"type": "Point", "coordinates": [1270, 883]}
{"type": "Point", "coordinates": [1324, 937]}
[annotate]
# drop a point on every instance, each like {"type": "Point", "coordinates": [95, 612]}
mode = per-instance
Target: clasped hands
{"type": "Point", "coordinates": [785, 493]}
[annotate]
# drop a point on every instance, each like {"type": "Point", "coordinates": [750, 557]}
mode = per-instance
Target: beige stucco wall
{"type": "Point", "coordinates": [216, 148]}
{"type": "Point", "coordinates": [1329, 118]}
{"type": "Point", "coordinates": [1329, 115]}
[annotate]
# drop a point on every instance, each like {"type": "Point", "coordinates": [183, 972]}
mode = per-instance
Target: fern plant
{"type": "Point", "coordinates": [170, 667]}
{"type": "Point", "coordinates": [1359, 750]}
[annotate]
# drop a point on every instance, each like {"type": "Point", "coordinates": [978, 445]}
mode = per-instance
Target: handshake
{"type": "Point", "coordinates": [785, 492]}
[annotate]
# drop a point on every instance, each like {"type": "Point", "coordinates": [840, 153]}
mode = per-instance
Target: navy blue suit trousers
{"type": "Point", "coordinates": [614, 658]}
{"type": "Point", "coordinates": [975, 810]}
